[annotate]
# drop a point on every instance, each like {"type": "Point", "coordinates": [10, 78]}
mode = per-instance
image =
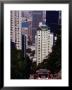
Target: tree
{"type": "Point", "coordinates": [54, 60]}
{"type": "Point", "coordinates": [33, 68]}
{"type": "Point", "coordinates": [20, 66]}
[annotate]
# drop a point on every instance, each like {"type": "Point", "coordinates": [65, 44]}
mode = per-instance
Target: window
{"type": "Point", "coordinates": [38, 59]}
{"type": "Point", "coordinates": [38, 49]}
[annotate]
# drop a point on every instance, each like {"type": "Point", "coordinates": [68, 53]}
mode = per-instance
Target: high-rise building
{"type": "Point", "coordinates": [26, 14]}
{"type": "Point", "coordinates": [37, 16]}
{"type": "Point", "coordinates": [51, 41]}
{"type": "Point", "coordinates": [27, 28]}
{"type": "Point", "coordinates": [16, 28]}
{"type": "Point", "coordinates": [30, 31]}
{"type": "Point", "coordinates": [43, 43]}
{"type": "Point", "coordinates": [24, 44]}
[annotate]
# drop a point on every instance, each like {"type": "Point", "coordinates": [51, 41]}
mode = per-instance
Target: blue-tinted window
{"type": "Point", "coordinates": [25, 24]}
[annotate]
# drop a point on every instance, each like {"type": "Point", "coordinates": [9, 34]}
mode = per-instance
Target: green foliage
{"type": "Point", "coordinates": [20, 66]}
{"type": "Point", "coordinates": [33, 68]}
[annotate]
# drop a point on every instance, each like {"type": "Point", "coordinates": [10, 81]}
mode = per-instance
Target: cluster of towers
{"type": "Point", "coordinates": [29, 27]}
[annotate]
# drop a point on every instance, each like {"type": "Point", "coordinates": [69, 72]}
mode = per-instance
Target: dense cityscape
{"type": "Point", "coordinates": [35, 44]}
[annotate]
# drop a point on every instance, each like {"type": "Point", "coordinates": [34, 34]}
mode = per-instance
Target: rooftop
{"type": "Point", "coordinates": [43, 27]}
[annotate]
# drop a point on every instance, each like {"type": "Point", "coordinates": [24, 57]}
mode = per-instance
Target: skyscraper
{"type": "Point", "coordinates": [30, 31]}
{"type": "Point", "coordinates": [43, 43]}
{"type": "Point", "coordinates": [37, 16]}
{"type": "Point", "coordinates": [27, 27]}
{"type": "Point", "coordinates": [51, 41]}
{"type": "Point", "coordinates": [16, 28]}
{"type": "Point", "coordinates": [24, 44]}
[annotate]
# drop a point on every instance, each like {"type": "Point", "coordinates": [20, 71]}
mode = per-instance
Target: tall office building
{"type": "Point", "coordinates": [16, 28]}
{"type": "Point", "coordinates": [43, 43]}
{"type": "Point", "coordinates": [25, 38]}
{"type": "Point", "coordinates": [27, 27]}
{"type": "Point", "coordinates": [37, 16]}
{"type": "Point", "coordinates": [26, 14]}
{"type": "Point", "coordinates": [30, 31]}
{"type": "Point", "coordinates": [24, 44]}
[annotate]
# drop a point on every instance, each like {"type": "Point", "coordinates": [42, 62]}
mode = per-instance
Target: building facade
{"type": "Point", "coordinates": [24, 45]}
{"type": "Point", "coordinates": [27, 28]}
{"type": "Point", "coordinates": [43, 43]}
{"type": "Point", "coordinates": [51, 41]}
{"type": "Point", "coordinates": [16, 29]}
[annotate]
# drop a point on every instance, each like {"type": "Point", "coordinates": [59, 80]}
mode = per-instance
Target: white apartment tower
{"type": "Point", "coordinates": [43, 43]}
{"type": "Point", "coordinates": [51, 41]}
{"type": "Point", "coordinates": [16, 28]}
